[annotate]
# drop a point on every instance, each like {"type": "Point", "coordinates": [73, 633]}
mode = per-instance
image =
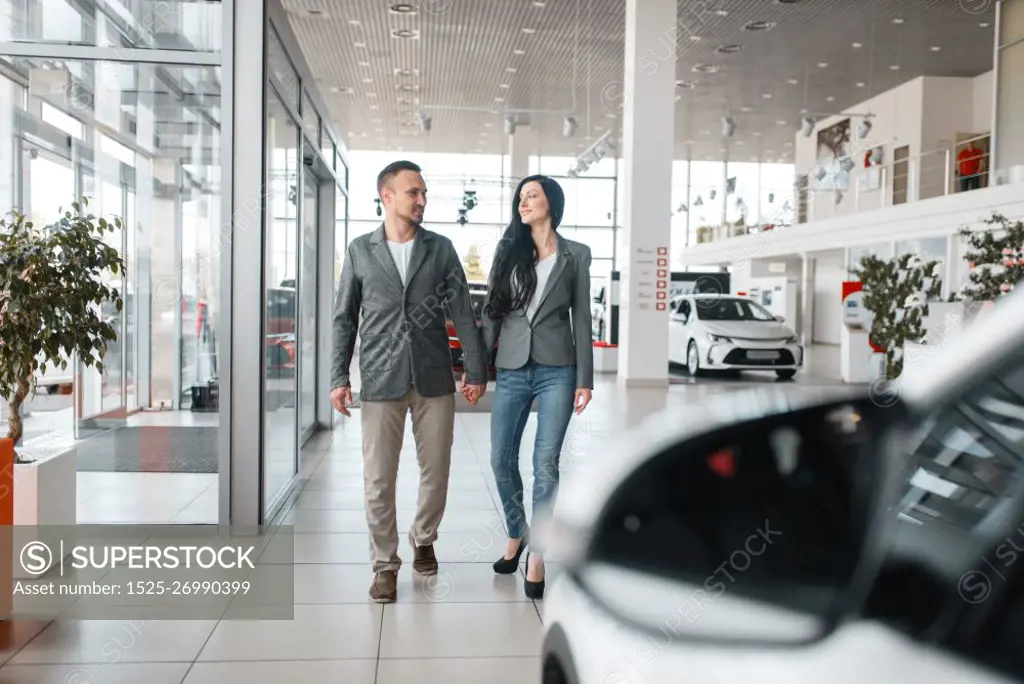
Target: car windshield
{"type": "Point", "coordinates": [730, 309]}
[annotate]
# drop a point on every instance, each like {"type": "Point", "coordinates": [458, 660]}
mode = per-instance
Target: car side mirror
{"type": "Point", "coordinates": [766, 531]}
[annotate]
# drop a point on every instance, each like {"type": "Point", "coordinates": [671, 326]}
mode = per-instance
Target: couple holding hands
{"type": "Point", "coordinates": [537, 311]}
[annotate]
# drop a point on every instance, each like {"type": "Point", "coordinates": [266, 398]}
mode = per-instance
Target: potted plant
{"type": "Point", "coordinates": [995, 259]}
{"type": "Point", "coordinates": [897, 292]}
{"type": "Point", "coordinates": [52, 288]}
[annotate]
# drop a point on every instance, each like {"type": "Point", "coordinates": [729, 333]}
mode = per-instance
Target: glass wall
{"type": "Point", "coordinates": [140, 140]}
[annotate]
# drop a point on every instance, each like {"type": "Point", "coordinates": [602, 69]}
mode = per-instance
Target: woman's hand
{"type": "Point", "coordinates": [581, 400]}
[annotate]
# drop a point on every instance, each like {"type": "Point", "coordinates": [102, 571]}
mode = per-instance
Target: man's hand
{"type": "Point", "coordinates": [472, 393]}
{"type": "Point", "coordinates": [581, 400]}
{"type": "Point", "coordinates": [341, 399]}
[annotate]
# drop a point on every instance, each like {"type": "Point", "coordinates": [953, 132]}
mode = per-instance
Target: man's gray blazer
{"type": "Point", "coordinates": [403, 336]}
{"type": "Point", "coordinates": [550, 339]}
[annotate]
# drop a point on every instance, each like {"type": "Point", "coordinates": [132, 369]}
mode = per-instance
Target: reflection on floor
{"type": "Point", "coordinates": [445, 630]}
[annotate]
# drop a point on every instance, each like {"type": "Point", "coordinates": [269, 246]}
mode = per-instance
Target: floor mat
{"type": "Point", "coordinates": [151, 450]}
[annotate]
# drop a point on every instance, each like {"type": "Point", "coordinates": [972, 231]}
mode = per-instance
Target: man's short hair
{"type": "Point", "coordinates": [391, 170]}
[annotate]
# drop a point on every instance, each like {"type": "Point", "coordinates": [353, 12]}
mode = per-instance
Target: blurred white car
{"type": "Point", "coordinates": [772, 536]}
{"type": "Point", "coordinates": [722, 332]}
{"type": "Point", "coordinates": [54, 378]}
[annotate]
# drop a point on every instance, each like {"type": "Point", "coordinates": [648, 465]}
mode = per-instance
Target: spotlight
{"type": "Point", "coordinates": [728, 126]}
{"type": "Point", "coordinates": [819, 173]}
{"type": "Point", "coordinates": [569, 126]}
{"type": "Point", "coordinates": [846, 164]}
{"type": "Point", "coordinates": [865, 127]}
{"type": "Point", "coordinates": [807, 125]}
{"type": "Point", "coordinates": [510, 125]}
{"type": "Point", "coordinates": [877, 155]}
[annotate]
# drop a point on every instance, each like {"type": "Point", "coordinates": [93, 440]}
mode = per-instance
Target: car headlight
{"type": "Point", "coordinates": [792, 339]}
{"type": "Point", "coordinates": [719, 338]}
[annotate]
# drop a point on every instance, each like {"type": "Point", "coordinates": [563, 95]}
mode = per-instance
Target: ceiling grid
{"type": "Point", "coordinates": [470, 63]}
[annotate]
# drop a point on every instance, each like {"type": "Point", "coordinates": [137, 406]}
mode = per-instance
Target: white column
{"type": "Point", "coordinates": [647, 103]}
{"type": "Point", "coordinates": [519, 155]}
{"type": "Point", "coordinates": [1007, 162]}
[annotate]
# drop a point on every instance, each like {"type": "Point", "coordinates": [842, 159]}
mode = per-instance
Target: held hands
{"type": "Point", "coordinates": [581, 400]}
{"type": "Point", "coordinates": [341, 399]}
{"type": "Point", "coordinates": [472, 393]}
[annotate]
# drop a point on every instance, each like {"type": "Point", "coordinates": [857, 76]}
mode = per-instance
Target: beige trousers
{"type": "Point", "coordinates": [383, 425]}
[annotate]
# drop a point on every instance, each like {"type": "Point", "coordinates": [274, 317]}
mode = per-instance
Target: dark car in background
{"type": "Point", "coordinates": [478, 295]}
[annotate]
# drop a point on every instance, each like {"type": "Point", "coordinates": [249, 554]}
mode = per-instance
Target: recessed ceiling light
{"type": "Point", "coordinates": [822, 65]}
{"type": "Point", "coordinates": [689, 85]}
{"type": "Point", "coordinates": [895, 67]}
{"type": "Point", "coordinates": [499, 99]}
{"type": "Point", "coordinates": [364, 64]}
{"type": "Point", "coordinates": [406, 87]}
{"type": "Point", "coordinates": [359, 45]}
{"type": "Point", "coordinates": [722, 12]}
{"type": "Point", "coordinates": [511, 70]}
{"type": "Point", "coordinates": [766, 96]}
{"type": "Point", "coordinates": [405, 33]}
{"type": "Point", "coordinates": [529, 30]}
{"type": "Point", "coordinates": [538, 3]}
{"type": "Point", "coordinates": [354, 22]}
{"type": "Point", "coordinates": [739, 142]}
{"type": "Point", "coordinates": [678, 98]}
{"type": "Point", "coordinates": [830, 98]}
{"type": "Point", "coordinates": [695, 38]}
{"type": "Point", "coordinates": [705, 68]}
{"type": "Point", "coordinates": [793, 81]}
{"type": "Point", "coordinates": [857, 46]}
{"type": "Point", "coordinates": [860, 84]}
{"type": "Point", "coordinates": [984, 24]}
{"type": "Point", "coordinates": [403, 8]}
{"type": "Point", "coordinates": [759, 25]}
{"type": "Point", "coordinates": [936, 48]}
{"type": "Point", "coordinates": [898, 20]}
{"type": "Point", "coordinates": [517, 51]}
{"type": "Point", "coordinates": [367, 80]}
{"type": "Point", "coordinates": [503, 85]}
{"type": "Point", "coordinates": [730, 49]}
{"type": "Point", "coordinates": [746, 109]}
{"type": "Point", "coordinates": [780, 122]}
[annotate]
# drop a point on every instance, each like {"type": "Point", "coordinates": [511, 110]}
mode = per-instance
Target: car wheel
{"type": "Point", "coordinates": [785, 374]}
{"type": "Point", "coordinates": [693, 359]}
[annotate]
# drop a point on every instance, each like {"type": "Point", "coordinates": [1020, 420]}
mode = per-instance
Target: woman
{"type": "Point", "coordinates": [538, 311]}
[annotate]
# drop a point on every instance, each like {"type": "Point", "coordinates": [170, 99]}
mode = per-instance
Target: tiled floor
{"type": "Point", "coordinates": [464, 625]}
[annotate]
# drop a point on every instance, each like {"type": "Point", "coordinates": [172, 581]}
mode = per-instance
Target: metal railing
{"type": "Point", "coordinates": [930, 174]}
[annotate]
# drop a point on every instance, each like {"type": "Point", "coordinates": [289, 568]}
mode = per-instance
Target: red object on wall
{"type": "Point", "coordinates": [722, 463]}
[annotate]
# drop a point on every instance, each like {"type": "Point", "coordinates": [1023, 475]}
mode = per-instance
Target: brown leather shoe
{"type": "Point", "coordinates": [424, 561]}
{"type": "Point", "coordinates": [385, 587]}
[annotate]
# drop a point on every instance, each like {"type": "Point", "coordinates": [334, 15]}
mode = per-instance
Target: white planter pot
{"type": "Point", "coordinates": [606, 359]}
{"type": "Point", "coordinates": [45, 493]}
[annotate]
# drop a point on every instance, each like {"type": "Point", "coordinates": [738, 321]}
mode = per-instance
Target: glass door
{"type": "Point", "coordinates": [307, 307]}
{"type": "Point", "coordinates": [101, 400]}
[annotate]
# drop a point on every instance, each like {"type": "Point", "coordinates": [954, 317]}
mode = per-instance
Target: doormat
{"type": "Point", "coordinates": [151, 450]}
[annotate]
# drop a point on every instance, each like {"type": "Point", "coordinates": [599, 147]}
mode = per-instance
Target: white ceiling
{"type": "Point", "coordinates": [463, 66]}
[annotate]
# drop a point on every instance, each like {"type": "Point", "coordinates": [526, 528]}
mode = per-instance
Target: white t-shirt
{"type": "Point", "coordinates": [543, 268]}
{"type": "Point", "coordinates": [400, 252]}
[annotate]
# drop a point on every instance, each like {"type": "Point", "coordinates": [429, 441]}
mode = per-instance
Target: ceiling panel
{"type": "Point", "coordinates": [470, 62]}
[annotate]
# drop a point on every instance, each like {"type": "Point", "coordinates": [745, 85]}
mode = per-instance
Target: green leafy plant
{"type": "Point", "coordinates": [52, 291]}
{"type": "Point", "coordinates": [896, 292]}
{"type": "Point", "coordinates": [995, 258]}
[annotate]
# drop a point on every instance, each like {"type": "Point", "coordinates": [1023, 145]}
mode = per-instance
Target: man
{"type": "Point", "coordinates": [401, 278]}
{"type": "Point", "coordinates": [970, 159]}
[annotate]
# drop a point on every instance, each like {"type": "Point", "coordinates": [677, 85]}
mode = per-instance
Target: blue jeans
{"type": "Point", "coordinates": [554, 388]}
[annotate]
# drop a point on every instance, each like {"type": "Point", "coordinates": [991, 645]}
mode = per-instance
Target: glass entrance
{"type": "Point", "coordinates": [307, 308]}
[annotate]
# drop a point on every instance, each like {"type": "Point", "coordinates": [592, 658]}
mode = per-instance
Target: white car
{"type": "Point", "coordinates": [765, 536]}
{"type": "Point", "coordinates": [728, 333]}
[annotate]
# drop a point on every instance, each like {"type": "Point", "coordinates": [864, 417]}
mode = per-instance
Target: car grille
{"type": "Point", "coordinates": [739, 357]}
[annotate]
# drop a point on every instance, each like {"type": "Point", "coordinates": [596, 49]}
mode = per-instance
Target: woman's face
{"type": "Point", "coordinates": [533, 203]}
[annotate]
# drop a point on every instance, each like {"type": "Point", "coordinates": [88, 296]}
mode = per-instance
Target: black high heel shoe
{"type": "Point", "coordinates": [507, 566]}
{"type": "Point", "coordinates": [534, 590]}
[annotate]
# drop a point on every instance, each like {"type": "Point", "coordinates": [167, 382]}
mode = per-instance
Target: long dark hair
{"type": "Point", "coordinates": [512, 278]}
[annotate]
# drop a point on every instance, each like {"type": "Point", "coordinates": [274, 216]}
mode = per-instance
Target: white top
{"type": "Point", "coordinates": [400, 253]}
{"type": "Point", "coordinates": [543, 268]}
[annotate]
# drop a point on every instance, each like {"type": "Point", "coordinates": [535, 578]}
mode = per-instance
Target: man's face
{"type": "Point", "coordinates": [405, 197]}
